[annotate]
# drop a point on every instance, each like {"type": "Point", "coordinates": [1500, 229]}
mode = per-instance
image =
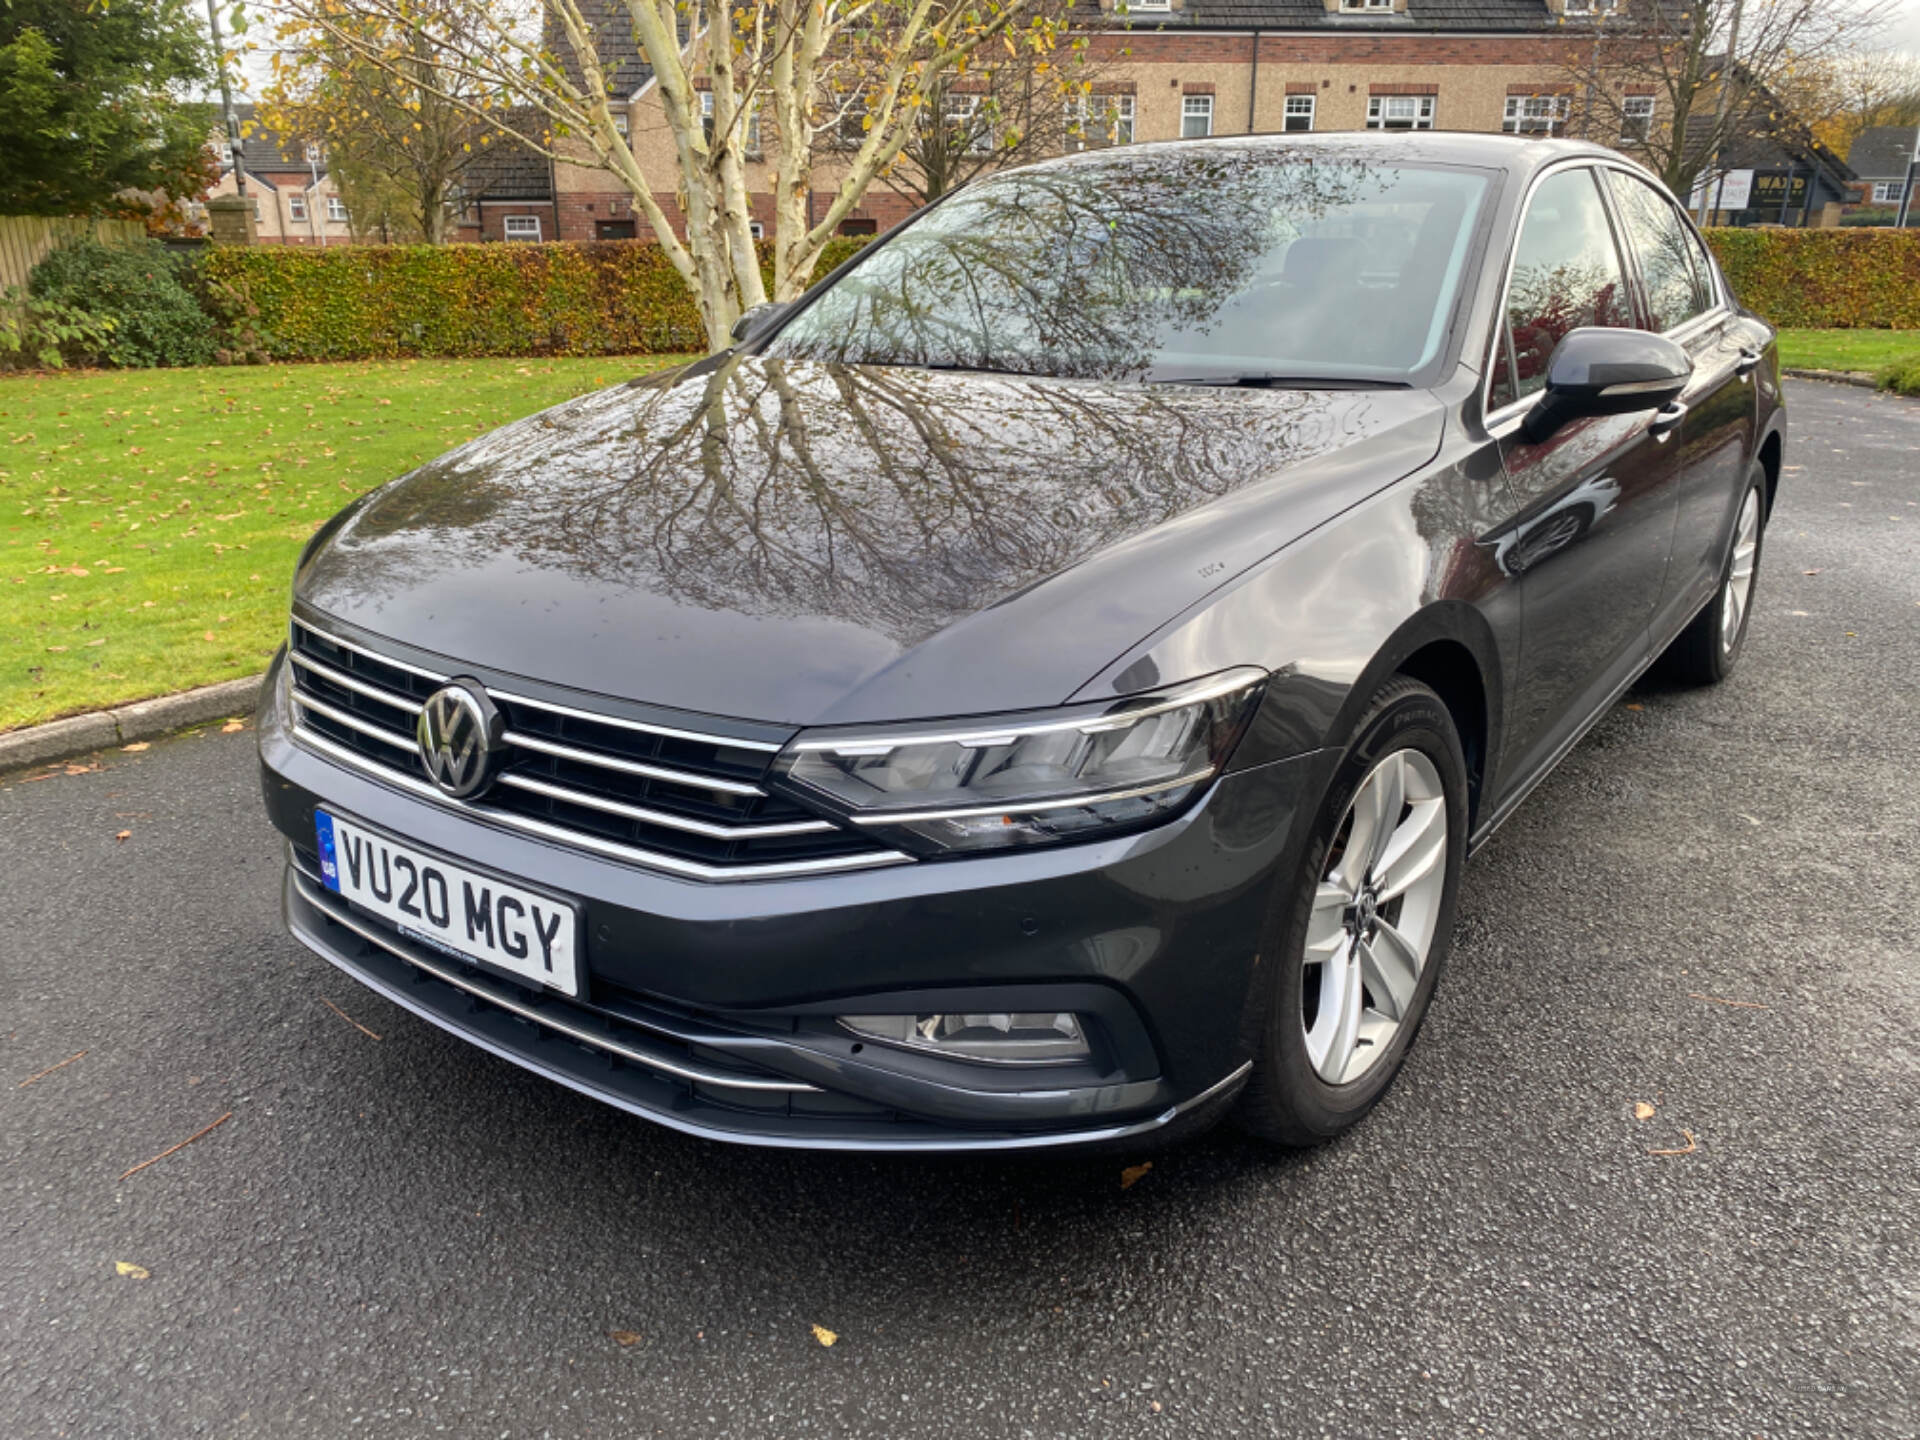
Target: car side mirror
{"type": "Point", "coordinates": [1595, 371]}
{"type": "Point", "coordinates": [758, 318]}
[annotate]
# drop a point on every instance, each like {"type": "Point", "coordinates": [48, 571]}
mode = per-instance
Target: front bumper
{"type": "Point", "coordinates": [709, 1007]}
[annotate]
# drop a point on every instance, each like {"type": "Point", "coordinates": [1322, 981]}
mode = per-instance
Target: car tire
{"type": "Point", "coordinates": [1707, 650]}
{"type": "Point", "coordinates": [1302, 1092]}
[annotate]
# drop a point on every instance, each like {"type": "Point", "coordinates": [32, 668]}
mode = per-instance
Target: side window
{"type": "Point", "coordinates": [1676, 292]}
{"type": "Point", "coordinates": [1705, 285]}
{"type": "Point", "coordinates": [1566, 274]}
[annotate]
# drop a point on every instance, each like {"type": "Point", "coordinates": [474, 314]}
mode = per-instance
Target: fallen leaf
{"type": "Point", "coordinates": [824, 1336]}
{"type": "Point", "coordinates": [136, 747]}
{"type": "Point", "coordinates": [208, 637]}
{"type": "Point", "coordinates": [1636, 707]}
{"type": "Point", "coordinates": [626, 1339]}
{"type": "Point", "coordinates": [1642, 1110]}
{"type": "Point", "coordinates": [123, 835]}
{"type": "Point", "coordinates": [1690, 1147]}
{"type": "Point", "coordinates": [233, 727]}
{"type": "Point", "coordinates": [1809, 572]}
{"type": "Point", "coordinates": [1134, 1174]}
{"type": "Point", "coordinates": [131, 1270]}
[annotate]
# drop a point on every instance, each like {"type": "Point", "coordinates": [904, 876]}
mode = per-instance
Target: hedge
{"type": "Point", "coordinates": [1825, 279]}
{"type": "Point", "coordinates": [359, 302]}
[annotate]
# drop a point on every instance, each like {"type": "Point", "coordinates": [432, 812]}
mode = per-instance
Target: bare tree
{"type": "Point", "coordinates": [720, 74]}
{"type": "Point", "coordinates": [1716, 70]}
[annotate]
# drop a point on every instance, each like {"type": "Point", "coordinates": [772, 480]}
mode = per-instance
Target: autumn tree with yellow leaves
{"type": "Point", "coordinates": [832, 91]}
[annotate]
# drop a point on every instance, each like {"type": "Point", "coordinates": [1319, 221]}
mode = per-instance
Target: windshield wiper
{"type": "Point", "coordinates": [1287, 382]}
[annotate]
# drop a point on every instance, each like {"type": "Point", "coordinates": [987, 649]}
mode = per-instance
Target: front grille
{"type": "Point", "coordinates": [678, 800]}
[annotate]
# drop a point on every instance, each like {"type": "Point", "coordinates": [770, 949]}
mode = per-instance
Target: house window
{"type": "Point", "coordinates": [1636, 117]}
{"type": "Point", "coordinates": [336, 210]}
{"type": "Point", "coordinates": [1096, 121]}
{"type": "Point", "coordinates": [1535, 114]}
{"type": "Point", "coordinates": [313, 153]}
{"type": "Point", "coordinates": [522, 227]}
{"type": "Point", "coordinates": [1299, 112]}
{"type": "Point", "coordinates": [1888, 192]}
{"type": "Point", "coordinates": [1147, 4]}
{"type": "Point", "coordinates": [621, 123]}
{"type": "Point", "coordinates": [1366, 4]}
{"type": "Point", "coordinates": [753, 125]}
{"type": "Point", "coordinates": [226, 154]}
{"type": "Point", "coordinates": [1400, 112]}
{"type": "Point", "coordinates": [296, 207]}
{"type": "Point", "coordinates": [1590, 7]}
{"type": "Point", "coordinates": [756, 229]}
{"type": "Point", "coordinates": [968, 123]}
{"type": "Point", "coordinates": [1196, 117]}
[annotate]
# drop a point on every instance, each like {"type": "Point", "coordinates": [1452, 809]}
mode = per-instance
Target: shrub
{"type": "Point", "coordinates": [36, 332]}
{"type": "Point", "coordinates": [1825, 279]}
{"type": "Point", "coordinates": [141, 290]}
{"type": "Point", "coordinates": [364, 302]}
{"type": "Point", "coordinates": [1902, 376]}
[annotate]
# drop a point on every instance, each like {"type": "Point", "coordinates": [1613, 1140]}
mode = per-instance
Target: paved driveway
{"type": "Point", "coordinates": [403, 1236]}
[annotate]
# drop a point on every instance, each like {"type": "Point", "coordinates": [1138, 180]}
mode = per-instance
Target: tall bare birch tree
{"type": "Point", "coordinates": [865, 68]}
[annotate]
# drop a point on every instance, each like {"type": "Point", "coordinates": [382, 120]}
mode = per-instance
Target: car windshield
{"type": "Point", "coordinates": [1217, 263]}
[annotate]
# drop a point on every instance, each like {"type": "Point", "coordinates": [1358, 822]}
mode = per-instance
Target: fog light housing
{"type": "Point", "coordinates": [1024, 1037]}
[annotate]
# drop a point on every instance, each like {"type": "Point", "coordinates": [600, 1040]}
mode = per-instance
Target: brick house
{"type": "Point", "coordinates": [294, 199]}
{"type": "Point", "coordinates": [1172, 68]}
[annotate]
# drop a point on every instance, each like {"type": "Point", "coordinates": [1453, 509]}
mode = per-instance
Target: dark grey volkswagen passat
{"type": "Point", "coordinates": [1040, 687]}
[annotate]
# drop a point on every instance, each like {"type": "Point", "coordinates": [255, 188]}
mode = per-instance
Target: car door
{"type": "Point", "coordinates": [1682, 296]}
{"type": "Point", "coordinates": [1591, 530]}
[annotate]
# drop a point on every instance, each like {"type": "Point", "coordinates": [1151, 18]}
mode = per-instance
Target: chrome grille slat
{"type": "Point", "coordinates": [630, 767]}
{"type": "Point", "coordinates": [660, 817]}
{"type": "Point", "coordinates": [354, 722]}
{"type": "Point", "coordinates": [357, 706]}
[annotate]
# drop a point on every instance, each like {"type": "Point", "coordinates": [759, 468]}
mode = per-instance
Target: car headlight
{"type": "Point", "coordinates": [992, 783]}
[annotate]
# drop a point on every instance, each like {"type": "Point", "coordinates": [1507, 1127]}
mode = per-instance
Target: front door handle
{"type": "Point", "coordinates": [1666, 420]}
{"type": "Point", "coordinates": [1749, 362]}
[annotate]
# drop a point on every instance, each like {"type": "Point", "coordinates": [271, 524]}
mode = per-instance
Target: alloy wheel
{"type": "Point", "coordinates": [1739, 586]}
{"type": "Point", "coordinates": [1374, 915]}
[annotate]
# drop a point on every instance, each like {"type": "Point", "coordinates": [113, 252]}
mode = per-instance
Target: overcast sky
{"type": "Point", "coordinates": [1905, 34]}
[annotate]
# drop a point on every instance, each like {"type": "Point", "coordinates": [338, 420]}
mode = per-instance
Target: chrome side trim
{"type": "Point", "coordinates": [655, 817]}
{"type": "Point", "coordinates": [627, 767]}
{"type": "Point", "coordinates": [480, 989]}
{"type": "Point", "coordinates": [348, 682]}
{"type": "Point", "coordinates": [354, 722]}
{"type": "Point", "coordinates": [578, 840]}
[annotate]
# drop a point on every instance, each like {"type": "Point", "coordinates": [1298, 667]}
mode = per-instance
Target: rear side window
{"type": "Point", "coordinates": [1677, 289]}
{"type": "Point", "coordinates": [1566, 274]}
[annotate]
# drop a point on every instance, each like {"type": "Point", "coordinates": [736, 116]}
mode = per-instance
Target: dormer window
{"type": "Point", "coordinates": [1126, 6]}
{"type": "Point", "coordinates": [1375, 5]}
{"type": "Point", "coordinates": [1590, 7]}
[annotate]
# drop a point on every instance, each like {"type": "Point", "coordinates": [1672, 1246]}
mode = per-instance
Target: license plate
{"type": "Point", "coordinates": [478, 917]}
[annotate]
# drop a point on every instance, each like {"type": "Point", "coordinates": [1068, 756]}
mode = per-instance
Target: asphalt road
{"type": "Point", "coordinates": [404, 1236]}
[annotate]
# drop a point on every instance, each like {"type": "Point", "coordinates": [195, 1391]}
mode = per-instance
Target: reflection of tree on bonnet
{"type": "Point", "coordinates": [895, 498]}
{"type": "Point", "coordinates": [1167, 264]}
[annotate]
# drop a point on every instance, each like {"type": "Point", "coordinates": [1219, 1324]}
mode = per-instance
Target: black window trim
{"type": "Point", "coordinates": [1715, 303]}
{"type": "Point", "coordinates": [1499, 422]}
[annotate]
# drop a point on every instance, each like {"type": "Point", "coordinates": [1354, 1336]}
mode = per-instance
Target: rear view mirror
{"type": "Point", "coordinates": [757, 319]}
{"type": "Point", "coordinates": [1596, 371]}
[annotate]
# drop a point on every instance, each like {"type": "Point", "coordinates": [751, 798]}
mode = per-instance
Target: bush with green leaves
{"type": "Point", "coordinates": [1902, 376]}
{"type": "Point", "coordinates": [142, 290]}
{"type": "Point", "coordinates": [36, 332]}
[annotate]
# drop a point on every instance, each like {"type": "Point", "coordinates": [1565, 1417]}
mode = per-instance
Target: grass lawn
{"type": "Point", "coordinates": [149, 519]}
{"type": "Point", "coordinates": [1846, 349]}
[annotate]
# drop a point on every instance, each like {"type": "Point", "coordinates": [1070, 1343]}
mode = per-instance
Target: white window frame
{"type": "Point", "coordinates": [508, 223]}
{"type": "Point", "coordinates": [1636, 117]}
{"type": "Point", "coordinates": [297, 208]}
{"type": "Point", "coordinates": [336, 210]}
{"type": "Point", "coordinates": [1115, 112]}
{"type": "Point", "coordinates": [1366, 4]}
{"type": "Point", "coordinates": [756, 229]}
{"type": "Point", "coordinates": [622, 124]}
{"type": "Point", "coordinates": [313, 153]}
{"type": "Point", "coordinates": [1196, 108]}
{"type": "Point", "coordinates": [1888, 192]}
{"type": "Point", "coordinates": [1589, 7]}
{"type": "Point", "coordinates": [1298, 107]}
{"type": "Point", "coordinates": [1415, 110]}
{"type": "Point", "coordinates": [961, 110]}
{"type": "Point", "coordinates": [1535, 114]}
{"type": "Point", "coordinates": [1160, 5]}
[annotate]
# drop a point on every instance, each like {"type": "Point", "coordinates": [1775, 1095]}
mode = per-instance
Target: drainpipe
{"type": "Point", "coordinates": [1253, 81]}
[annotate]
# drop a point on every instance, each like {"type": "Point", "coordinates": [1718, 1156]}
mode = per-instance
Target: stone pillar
{"type": "Point", "coordinates": [230, 220]}
{"type": "Point", "coordinates": [1829, 216]}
